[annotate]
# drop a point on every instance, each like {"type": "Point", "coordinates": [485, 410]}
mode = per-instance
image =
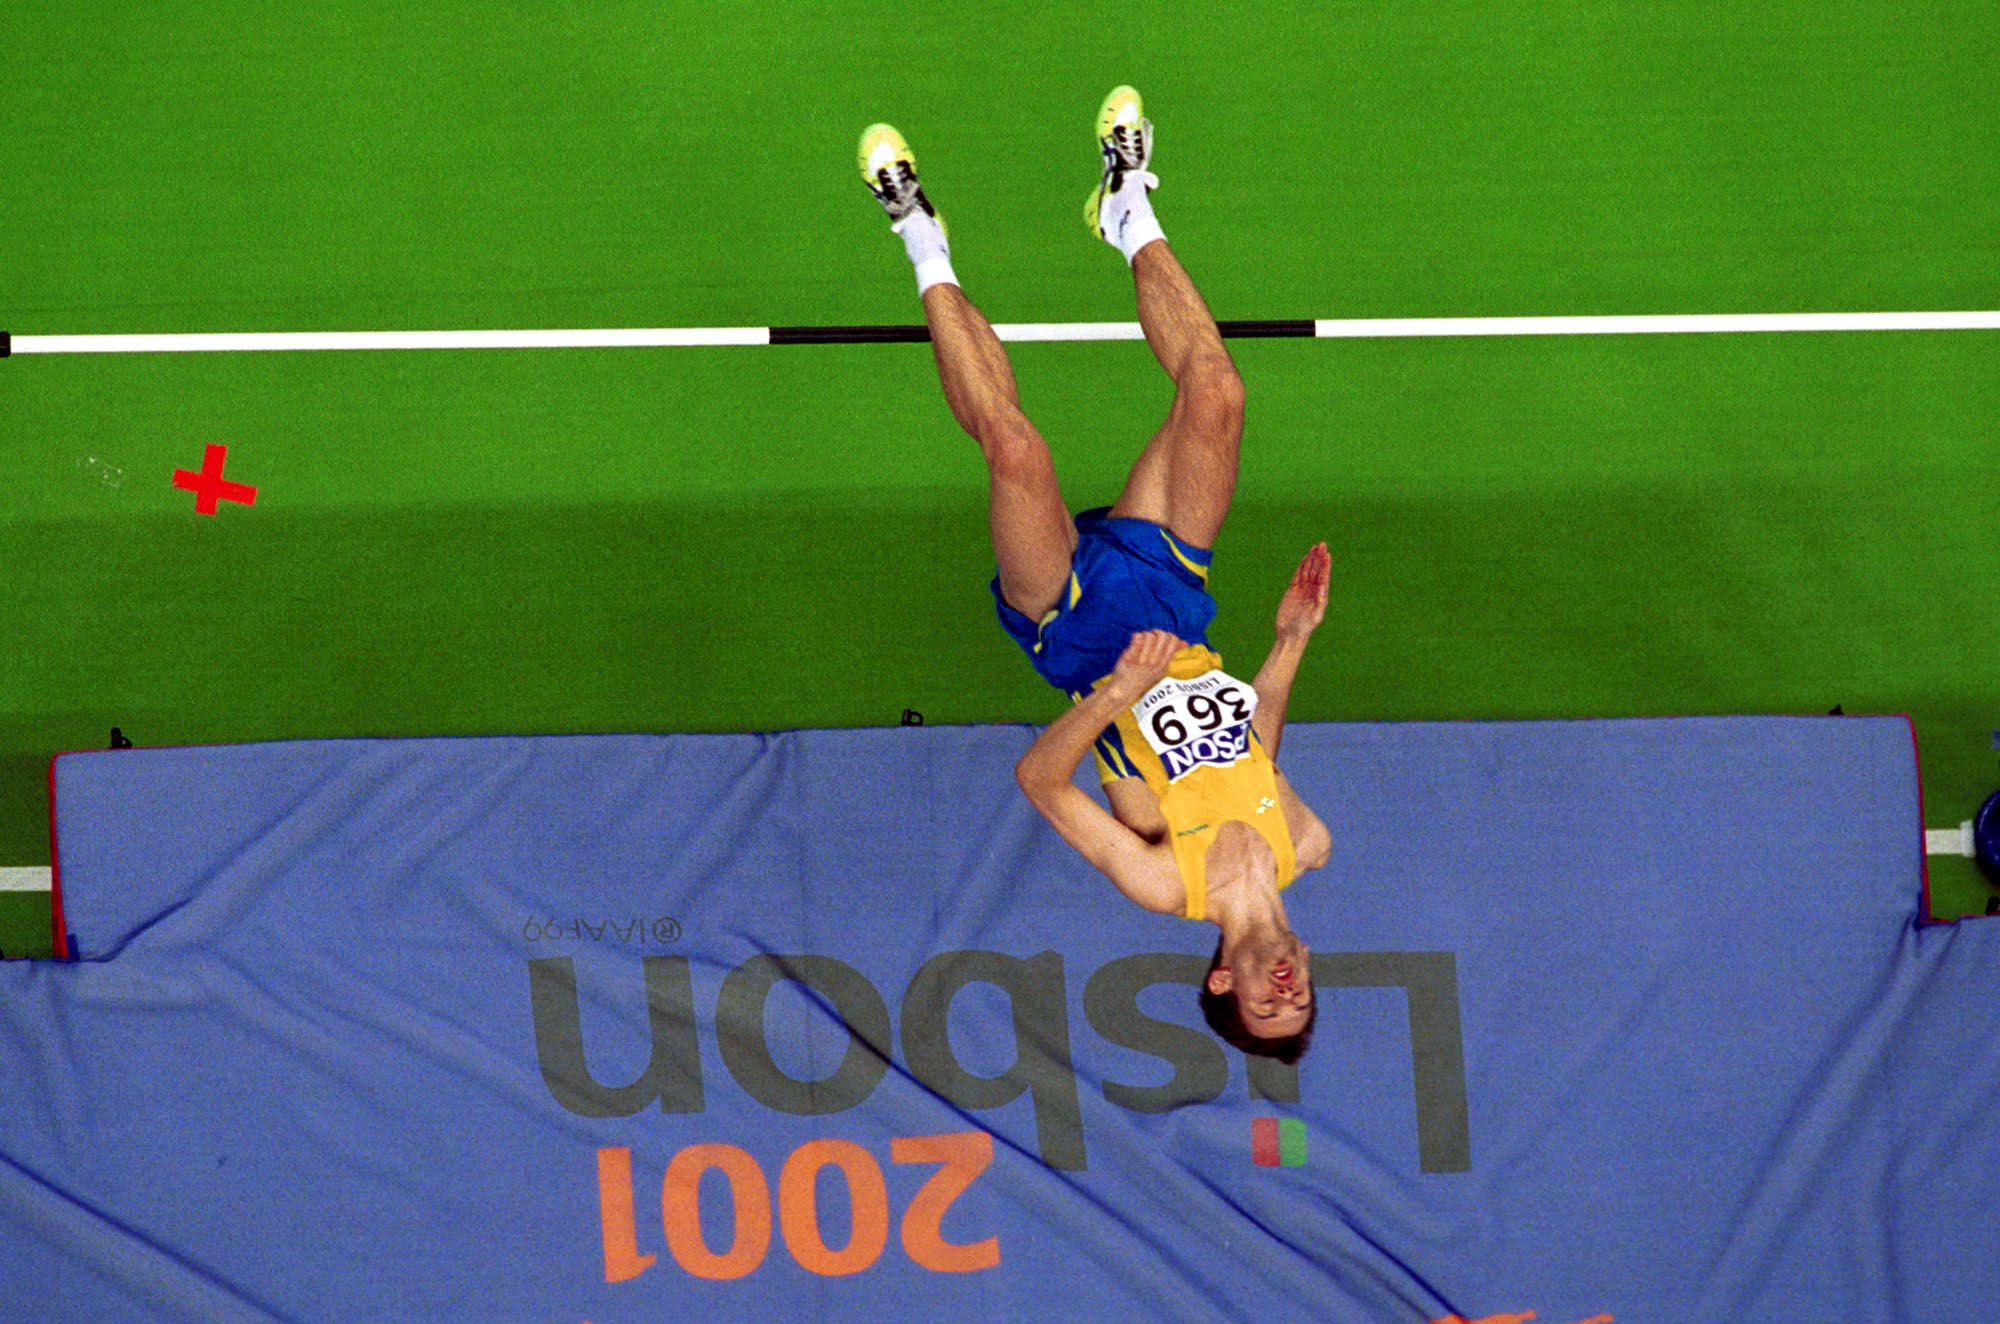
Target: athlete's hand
{"type": "Point", "coordinates": [1144, 662]}
{"type": "Point", "coordinates": [1304, 605]}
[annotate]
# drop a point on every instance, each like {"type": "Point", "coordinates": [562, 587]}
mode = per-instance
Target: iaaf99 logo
{"type": "Point", "coordinates": [1036, 989]}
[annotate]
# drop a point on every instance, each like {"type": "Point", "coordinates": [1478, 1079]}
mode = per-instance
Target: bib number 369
{"type": "Point", "coordinates": [1203, 720]}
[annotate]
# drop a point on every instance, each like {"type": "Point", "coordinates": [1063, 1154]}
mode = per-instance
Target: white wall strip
{"type": "Point", "coordinates": [1950, 841]}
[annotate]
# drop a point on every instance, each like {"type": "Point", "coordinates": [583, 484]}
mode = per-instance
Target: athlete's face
{"type": "Point", "coordinates": [1273, 988]}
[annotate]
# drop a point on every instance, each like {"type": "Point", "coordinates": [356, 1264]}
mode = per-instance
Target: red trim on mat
{"type": "Point", "coordinates": [59, 934]}
{"type": "Point", "coordinates": [1923, 842]}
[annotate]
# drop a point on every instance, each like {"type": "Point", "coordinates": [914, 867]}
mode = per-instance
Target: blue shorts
{"type": "Point", "coordinates": [1127, 575]}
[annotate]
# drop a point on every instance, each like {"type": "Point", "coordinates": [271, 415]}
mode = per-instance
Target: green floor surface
{"type": "Point", "coordinates": [702, 540]}
{"type": "Point", "coordinates": [24, 924]}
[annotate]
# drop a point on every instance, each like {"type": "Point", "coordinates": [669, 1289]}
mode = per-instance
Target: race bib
{"type": "Point", "coordinates": [1205, 720]}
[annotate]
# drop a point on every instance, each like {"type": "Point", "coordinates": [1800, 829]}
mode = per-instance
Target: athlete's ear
{"type": "Point", "coordinates": [1220, 980]}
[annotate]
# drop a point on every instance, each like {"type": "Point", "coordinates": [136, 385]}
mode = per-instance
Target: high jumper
{"type": "Point", "coordinates": [1113, 607]}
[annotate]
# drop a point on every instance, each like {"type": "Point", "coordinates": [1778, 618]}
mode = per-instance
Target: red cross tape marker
{"type": "Point", "coordinates": [209, 487]}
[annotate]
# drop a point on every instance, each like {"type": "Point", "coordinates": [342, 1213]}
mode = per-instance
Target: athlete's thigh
{"type": "Point", "coordinates": [1145, 494]}
{"type": "Point", "coordinates": [1033, 537]}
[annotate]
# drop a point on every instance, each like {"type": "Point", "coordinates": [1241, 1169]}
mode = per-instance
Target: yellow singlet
{"type": "Point", "coordinates": [1212, 769]}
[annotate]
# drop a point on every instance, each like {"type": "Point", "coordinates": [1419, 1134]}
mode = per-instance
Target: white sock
{"type": "Point", "coordinates": [1128, 215]}
{"type": "Point", "coordinates": [930, 254]}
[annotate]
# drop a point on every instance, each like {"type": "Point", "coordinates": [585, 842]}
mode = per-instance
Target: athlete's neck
{"type": "Point", "coordinates": [1243, 896]}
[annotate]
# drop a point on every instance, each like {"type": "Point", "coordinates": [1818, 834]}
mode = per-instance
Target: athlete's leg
{"type": "Point", "coordinates": [1186, 476]}
{"type": "Point", "coordinates": [1032, 534]}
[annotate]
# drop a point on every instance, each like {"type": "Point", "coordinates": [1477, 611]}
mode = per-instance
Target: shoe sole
{"type": "Point", "coordinates": [1108, 118]}
{"type": "Point", "coordinates": [877, 136]}
{"type": "Point", "coordinates": [1114, 100]}
{"type": "Point", "coordinates": [874, 137]}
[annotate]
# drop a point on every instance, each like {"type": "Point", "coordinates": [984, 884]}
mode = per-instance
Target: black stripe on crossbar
{"type": "Point", "coordinates": [6, 344]}
{"type": "Point", "coordinates": [880, 335]}
{"type": "Point", "coordinates": [1292, 328]}
{"type": "Point", "coordinates": [847, 335]}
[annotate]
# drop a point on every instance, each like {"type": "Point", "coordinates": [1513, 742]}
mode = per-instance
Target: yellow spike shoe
{"type": "Point", "coordinates": [889, 169]}
{"type": "Point", "coordinates": [1125, 143]}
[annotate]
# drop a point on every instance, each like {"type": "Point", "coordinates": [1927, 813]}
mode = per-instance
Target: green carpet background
{"type": "Point", "coordinates": [453, 543]}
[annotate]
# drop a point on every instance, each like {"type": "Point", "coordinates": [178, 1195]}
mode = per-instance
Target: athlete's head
{"type": "Point", "coordinates": [1262, 1001]}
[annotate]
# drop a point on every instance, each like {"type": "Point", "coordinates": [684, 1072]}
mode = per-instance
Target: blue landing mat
{"type": "Point", "coordinates": [1627, 1019]}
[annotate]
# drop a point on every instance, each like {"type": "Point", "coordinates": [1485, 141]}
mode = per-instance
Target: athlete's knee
{"type": "Point", "coordinates": [1211, 392]}
{"type": "Point", "coordinates": [1013, 449]}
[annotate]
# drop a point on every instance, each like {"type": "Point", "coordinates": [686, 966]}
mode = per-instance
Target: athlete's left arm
{"type": "Point", "coordinates": [1299, 613]}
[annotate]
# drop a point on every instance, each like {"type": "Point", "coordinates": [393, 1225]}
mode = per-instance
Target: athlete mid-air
{"type": "Point", "coordinates": [1113, 608]}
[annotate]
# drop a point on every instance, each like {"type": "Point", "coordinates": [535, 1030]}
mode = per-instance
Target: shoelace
{"type": "Point", "coordinates": [898, 186]}
{"type": "Point", "coordinates": [1126, 146]}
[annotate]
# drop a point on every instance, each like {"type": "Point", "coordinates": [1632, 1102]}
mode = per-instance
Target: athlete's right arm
{"type": "Point", "coordinates": [1299, 613]}
{"type": "Point", "coordinates": [1144, 871]}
